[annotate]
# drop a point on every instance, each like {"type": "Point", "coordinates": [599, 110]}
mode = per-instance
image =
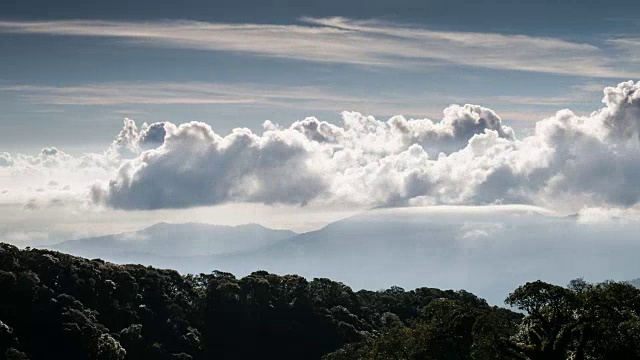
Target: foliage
{"type": "Point", "coordinates": [54, 305]}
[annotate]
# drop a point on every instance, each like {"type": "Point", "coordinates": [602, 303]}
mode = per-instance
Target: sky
{"type": "Point", "coordinates": [75, 69]}
{"type": "Point", "coordinates": [294, 114]}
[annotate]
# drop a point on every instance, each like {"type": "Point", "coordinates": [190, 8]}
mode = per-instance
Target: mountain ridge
{"type": "Point", "coordinates": [488, 250]}
{"type": "Point", "coordinates": [176, 239]}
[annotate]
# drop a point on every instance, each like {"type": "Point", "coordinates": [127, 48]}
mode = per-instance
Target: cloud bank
{"type": "Point", "coordinates": [364, 161]}
{"type": "Point", "coordinates": [469, 157]}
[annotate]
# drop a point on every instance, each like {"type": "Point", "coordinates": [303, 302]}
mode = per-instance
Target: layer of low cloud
{"type": "Point", "coordinates": [469, 157]}
{"type": "Point", "coordinates": [340, 40]}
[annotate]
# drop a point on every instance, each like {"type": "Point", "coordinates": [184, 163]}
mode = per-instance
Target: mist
{"type": "Point", "coordinates": [486, 250]}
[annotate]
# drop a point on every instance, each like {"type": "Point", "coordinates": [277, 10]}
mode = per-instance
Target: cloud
{"type": "Point", "coordinates": [260, 96]}
{"type": "Point", "coordinates": [53, 178]}
{"type": "Point", "coordinates": [47, 178]}
{"type": "Point", "coordinates": [469, 157]}
{"type": "Point", "coordinates": [307, 161]}
{"type": "Point", "coordinates": [340, 40]}
{"type": "Point", "coordinates": [194, 166]}
{"type": "Point", "coordinates": [131, 141]}
{"type": "Point", "coordinates": [629, 46]}
{"type": "Point", "coordinates": [122, 93]}
{"type": "Point", "coordinates": [5, 159]}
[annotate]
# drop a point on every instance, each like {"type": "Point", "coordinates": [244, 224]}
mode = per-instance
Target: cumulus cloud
{"type": "Point", "coordinates": [5, 159]}
{"type": "Point", "coordinates": [54, 178]}
{"type": "Point", "coordinates": [195, 166]}
{"type": "Point", "coordinates": [469, 157]}
{"type": "Point", "coordinates": [131, 141]}
{"type": "Point", "coordinates": [311, 160]}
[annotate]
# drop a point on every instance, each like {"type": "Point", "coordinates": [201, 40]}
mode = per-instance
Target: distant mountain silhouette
{"type": "Point", "coordinates": [171, 240]}
{"type": "Point", "coordinates": [486, 250]}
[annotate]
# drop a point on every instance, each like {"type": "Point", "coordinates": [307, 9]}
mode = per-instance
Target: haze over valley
{"type": "Point", "coordinates": [486, 250]}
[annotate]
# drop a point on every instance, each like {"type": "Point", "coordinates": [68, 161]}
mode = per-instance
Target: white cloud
{"type": "Point", "coordinates": [5, 159]}
{"type": "Point", "coordinates": [131, 141]}
{"type": "Point", "coordinates": [53, 178]}
{"type": "Point", "coordinates": [242, 166]}
{"type": "Point", "coordinates": [468, 158]}
{"type": "Point", "coordinates": [364, 162]}
{"type": "Point", "coordinates": [605, 215]}
{"type": "Point", "coordinates": [357, 42]}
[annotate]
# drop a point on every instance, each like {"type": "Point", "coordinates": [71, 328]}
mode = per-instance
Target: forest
{"type": "Point", "coordinates": [58, 306]}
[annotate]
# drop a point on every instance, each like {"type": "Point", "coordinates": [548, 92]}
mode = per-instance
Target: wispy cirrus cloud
{"type": "Point", "coordinates": [115, 94]}
{"type": "Point", "coordinates": [127, 93]}
{"type": "Point", "coordinates": [188, 92]}
{"type": "Point", "coordinates": [630, 47]}
{"type": "Point", "coordinates": [341, 40]}
{"type": "Point", "coordinates": [205, 93]}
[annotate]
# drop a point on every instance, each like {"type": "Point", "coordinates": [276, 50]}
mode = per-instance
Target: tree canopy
{"type": "Point", "coordinates": [53, 305]}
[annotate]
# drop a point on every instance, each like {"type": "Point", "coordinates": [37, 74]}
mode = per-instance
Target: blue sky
{"type": "Point", "coordinates": [71, 71]}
